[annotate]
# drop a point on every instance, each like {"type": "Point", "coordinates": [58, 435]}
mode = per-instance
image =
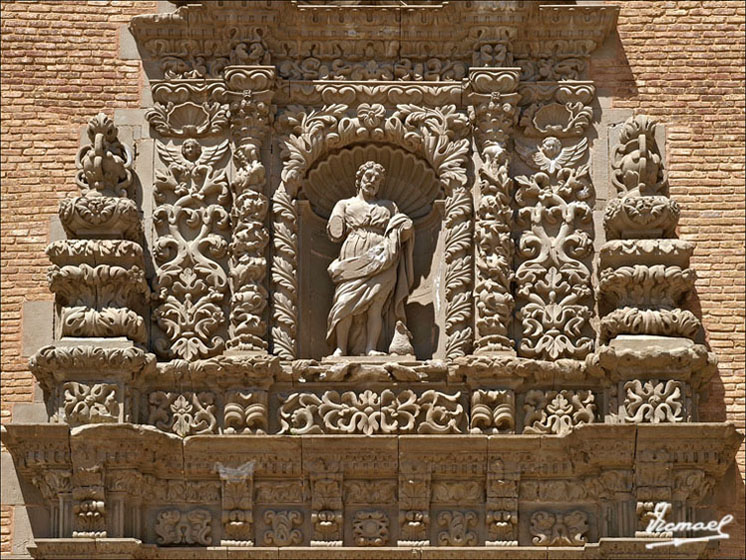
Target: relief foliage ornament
{"type": "Point", "coordinates": [175, 527]}
{"type": "Point", "coordinates": [437, 135]}
{"type": "Point", "coordinates": [557, 412]}
{"type": "Point", "coordinates": [250, 117]}
{"type": "Point", "coordinates": [559, 529]}
{"type": "Point", "coordinates": [554, 283]}
{"type": "Point", "coordinates": [654, 401]}
{"type": "Point", "coordinates": [457, 528]}
{"type": "Point", "coordinates": [282, 527]}
{"type": "Point", "coordinates": [192, 224]}
{"type": "Point", "coordinates": [183, 414]}
{"type": "Point", "coordinates": [368, 412]}
{"type": "Point", "coordinates": [90, 403]}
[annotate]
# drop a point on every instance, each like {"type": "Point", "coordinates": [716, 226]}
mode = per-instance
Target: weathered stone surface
{"type": "Point", "coordinates": [468, 394]}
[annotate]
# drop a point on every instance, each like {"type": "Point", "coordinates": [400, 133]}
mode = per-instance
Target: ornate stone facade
{"type": "Point", "coordinates": [547, 390]}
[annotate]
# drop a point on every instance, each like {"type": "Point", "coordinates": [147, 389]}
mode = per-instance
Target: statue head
{"type": "Point", "coordinates": [551, 147]}
{"type": "Point", "coordinates": [369, 178]}
{"type": "Point", "coordinates": [191, 149]}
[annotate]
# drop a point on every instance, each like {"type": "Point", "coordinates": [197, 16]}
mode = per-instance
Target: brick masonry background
{"type": "Point", "coordinates": [679, 62]}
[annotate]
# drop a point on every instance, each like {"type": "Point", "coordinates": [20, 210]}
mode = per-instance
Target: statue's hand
{"type": "Point", "coordinates": [407, 231]}
{"type": "Point", "coordinates": [336, 228]}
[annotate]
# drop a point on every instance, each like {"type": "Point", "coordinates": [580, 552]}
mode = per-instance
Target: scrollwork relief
{"type": "Point", "coordinates": [283, 531]}
{"type": "Point", "coordinates": [654, 401]}
{"type": "Point", "coordinates": [492, 411]}
{"type": "Point", "coordinates": [368, 412]}
{"type": "Point", "coordinates": [90, 403]}
{"type": "Point", "coordinates": [175, 527]}
{"type": "Point", "coordinates": [192, 225]}
{"type": "Point", "coordinates": [457, 525]}
{"type": "Point", "coordinates": [183, 413]}
{"type": "Point", "coordinates": [559, 529]}
{"type": "Point", "coordinates": [557, 412]}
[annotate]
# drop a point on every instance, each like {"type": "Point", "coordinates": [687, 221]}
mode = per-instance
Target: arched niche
{"type": "Point", "coordinates": [416, 189]}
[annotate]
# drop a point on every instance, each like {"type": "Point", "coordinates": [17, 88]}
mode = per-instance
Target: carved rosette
{"type": "Point", "coordinates": [251, 90]}
{"type": "Point", "coordinates": [435, 134]}
{"type": "Point", "coordinates": [494, 113]}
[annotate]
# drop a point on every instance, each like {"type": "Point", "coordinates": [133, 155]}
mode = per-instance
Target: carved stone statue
{"type": "Point", "coordinates": [374, 272]}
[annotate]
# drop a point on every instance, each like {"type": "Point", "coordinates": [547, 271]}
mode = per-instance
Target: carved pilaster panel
{"type": "Point", "coordinates": [494, 113]}
{"type": "Point", "coordinates": [192, 225]}
{"type": "Point", "coordinates": [251, 91]}
{"type": "Point", "coordinates": [555, 298]}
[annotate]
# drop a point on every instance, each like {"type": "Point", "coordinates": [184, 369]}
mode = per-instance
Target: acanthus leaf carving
{"type": "Point", "coordinates": [192, 224]}
{"type": "Point", "coordinates": [283, 531]}
{"type": "Point", "coordinates": [557, 412]}
{"type": "Point", "coordinates": [457, 525]}
{"type": "Point", "coordinates": [559, 529]}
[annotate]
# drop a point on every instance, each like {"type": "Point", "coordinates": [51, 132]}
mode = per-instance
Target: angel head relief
{"type": "Point", "coordinates": [374, 272]}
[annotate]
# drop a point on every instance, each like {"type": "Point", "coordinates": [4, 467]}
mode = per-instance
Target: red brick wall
{"type": "Point", "coordinates": [60, 66]}
{"type": "Point", "coordinates": [680, 62]}
{"type": "Point", "coordinates": [683, 64]}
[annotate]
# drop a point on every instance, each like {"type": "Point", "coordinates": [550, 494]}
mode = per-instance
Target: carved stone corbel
{"type": "Point", "coordinates": [494, 112]}
{"type": "Point", "coordinates": [414, 503]}
{"type": "Point", "coordinates": [237, 486]}
{"type": "Point", "coordinates": [250, 92]}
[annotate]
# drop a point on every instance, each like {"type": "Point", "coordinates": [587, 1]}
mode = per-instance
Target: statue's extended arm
{"type": "Point", "coordinates": [335, 228]}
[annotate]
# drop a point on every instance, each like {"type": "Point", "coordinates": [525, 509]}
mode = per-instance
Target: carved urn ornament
{"type": "Point", "coordinates": [341, 221]}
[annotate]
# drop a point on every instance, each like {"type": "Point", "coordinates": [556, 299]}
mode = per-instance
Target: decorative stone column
{"type": "Point", "coordinates": [494, 113]}
{"type": "Point", "coordinates": [250, 90]}
{"type": "Point", "coordinates": [644, 279]}
{"type": "Point", "coordinates": [100, 287]}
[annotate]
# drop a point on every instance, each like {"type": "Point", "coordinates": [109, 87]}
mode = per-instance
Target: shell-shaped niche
{"type": "Point", "coordinates": [410, 181]}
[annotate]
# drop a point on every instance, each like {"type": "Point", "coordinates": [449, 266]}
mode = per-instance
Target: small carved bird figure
{"type": "Point", "coordinates": [550, 157]}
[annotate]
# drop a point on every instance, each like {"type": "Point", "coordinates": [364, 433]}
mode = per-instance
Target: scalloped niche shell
{"type": "Point", "coordinates": [410, 181]}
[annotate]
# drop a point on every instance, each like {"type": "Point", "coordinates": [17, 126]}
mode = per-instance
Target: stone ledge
{"type": "Point", "coordinates": [621, 548]}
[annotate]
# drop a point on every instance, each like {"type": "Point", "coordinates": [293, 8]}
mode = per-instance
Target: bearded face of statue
{"type": "Point", "coordinates": [370, 183]}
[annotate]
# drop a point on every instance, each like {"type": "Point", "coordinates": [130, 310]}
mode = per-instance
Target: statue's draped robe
{"type": "Point", "coordinates": [374, 264]}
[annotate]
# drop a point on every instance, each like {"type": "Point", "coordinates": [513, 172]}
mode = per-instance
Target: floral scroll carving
{"type": "Point", "coordinates": [369, 412]}
{"type": "Point", "coordinates": [182, 413]}
{"type": "Point", "coordinates": [283, 525]}
{"type": "Point", "coordinates": [559, 529]}
{"type": "Point", "coordinates": [557, 412]}
{"type": "Point", "coordinates": [192, 224]}
{"type": "Point", "coordinates": [554, 211]}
